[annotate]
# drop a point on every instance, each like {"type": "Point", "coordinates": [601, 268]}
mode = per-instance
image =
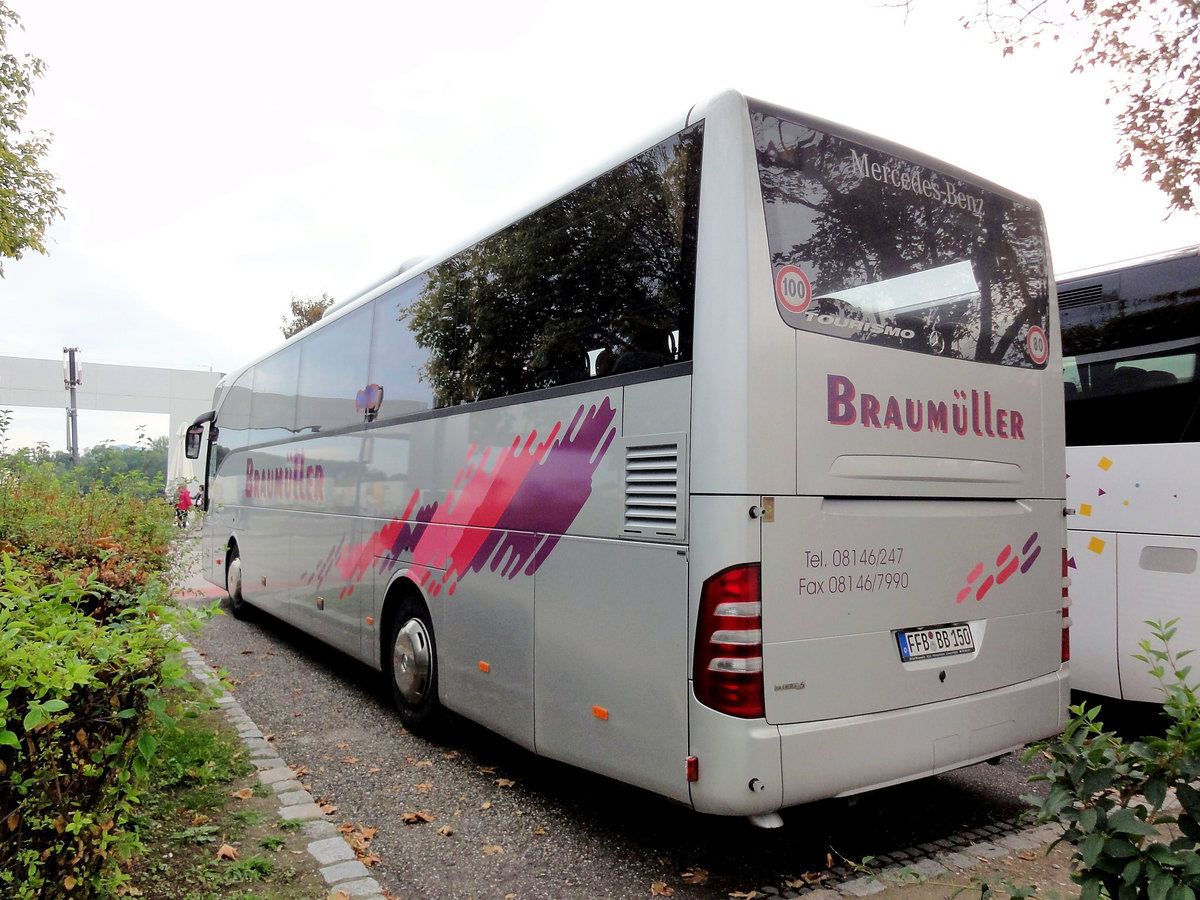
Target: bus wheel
{"type": "Point", "coordinates": [411, 666]}
{"type": "Point", "coordinates": [233, 585]}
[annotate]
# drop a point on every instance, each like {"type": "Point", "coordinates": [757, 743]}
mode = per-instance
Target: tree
{"type": "Point", "coordinates": [1151, 50]}
{"type": "Point", "coordinates": [28, 194]}
{"type": "Point", "coordinates": [305, 311]}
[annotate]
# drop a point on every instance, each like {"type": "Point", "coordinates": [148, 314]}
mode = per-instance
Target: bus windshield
{"type": "Point", "coordinates": [870, 247]}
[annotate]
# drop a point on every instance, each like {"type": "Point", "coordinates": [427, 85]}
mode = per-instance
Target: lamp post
{"type": "Point", "coordinates": [73, 378]}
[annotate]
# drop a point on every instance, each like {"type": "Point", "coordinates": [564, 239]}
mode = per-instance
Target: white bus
{"type": "Point", "coordinates": [734, 472]}
{"type": "Point", "coordinates": [1131, 333]}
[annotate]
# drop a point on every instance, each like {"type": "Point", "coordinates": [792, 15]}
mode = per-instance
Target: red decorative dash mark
{"type": "Point", "coordinates": [1007, 571]}
{"type": "Point", "coordinates": [985, 587]}
{"type": "Point", "coordinates": [975, 573]}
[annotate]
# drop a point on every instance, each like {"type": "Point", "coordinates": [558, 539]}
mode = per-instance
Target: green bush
{"type": "Point", "coordinates": [54, 529]}
{"type": "Point", "coordinates": [86, 652]}
{"type": "Point", "coordinates": [75, 697]}
{"type": "Point", "coordinates": [1110, 795]}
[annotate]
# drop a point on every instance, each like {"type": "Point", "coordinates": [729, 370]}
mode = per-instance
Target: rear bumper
{"type": "Point", "coordinates": [748, 768]}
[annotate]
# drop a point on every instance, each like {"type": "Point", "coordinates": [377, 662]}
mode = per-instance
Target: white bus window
{"type": "Point", "coordinates": [273, 406]}
{"type": "Point", "coordinates": [396, 360]}
{"type": "Point", "coordinates": [1072, 386]}
{"type": "Point", "coordinates": [599, 282]}
{"type": "Point", "coordinates": [333, 374]}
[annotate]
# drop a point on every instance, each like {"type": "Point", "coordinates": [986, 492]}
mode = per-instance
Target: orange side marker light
{"type": "Point", "coordinates": [600, 713]}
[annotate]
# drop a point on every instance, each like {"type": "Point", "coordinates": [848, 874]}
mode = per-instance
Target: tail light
{"type": "Point", "coordinates": [727, 665]}
{"type": "Point", "coordinates": [1066, 605]}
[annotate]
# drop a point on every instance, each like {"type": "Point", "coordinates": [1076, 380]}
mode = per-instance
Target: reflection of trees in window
{"type": "Point", "coordinates": [601, 275]}
{"type": "Point", "coordinates": [846, 225]}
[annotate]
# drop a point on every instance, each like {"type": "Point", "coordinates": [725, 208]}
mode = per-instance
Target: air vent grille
{"type": "Point", "coordinates": [1080, 296]}
{"type": "Point", "coordinates": [652, 489]}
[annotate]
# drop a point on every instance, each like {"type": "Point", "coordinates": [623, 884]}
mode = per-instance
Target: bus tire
{"type": "Point", "coordinates": [233, 586]}
{"type": "Point", "coordinates": [410, 664]}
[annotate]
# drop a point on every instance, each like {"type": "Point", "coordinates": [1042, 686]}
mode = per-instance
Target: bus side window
{"type": "Point", "coordinates": [1071, 384]}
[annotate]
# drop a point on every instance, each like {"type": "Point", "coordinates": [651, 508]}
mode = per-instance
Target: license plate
{"type": "Point", "coordinates": [929, 643]}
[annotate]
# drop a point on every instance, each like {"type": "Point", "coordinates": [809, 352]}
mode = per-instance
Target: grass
{"type": "Point", "coordinates": [210, 829]}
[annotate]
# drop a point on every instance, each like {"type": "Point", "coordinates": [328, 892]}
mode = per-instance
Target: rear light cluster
{"type": "Point", "coordinates": [1066, 605]}
{"type": "Point", "coordinates": [727, 665]}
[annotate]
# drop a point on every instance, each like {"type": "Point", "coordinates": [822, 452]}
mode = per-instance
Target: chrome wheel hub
{"type": "Point", "coordinates": [411, 661]}
{"type": "Point", "coordinates": [235, 580]}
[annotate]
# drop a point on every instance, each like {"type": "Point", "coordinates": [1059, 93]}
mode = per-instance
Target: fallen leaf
{"type": "Point", "coordinates": [453, 754]}
{"type": "Point", "coordinates": [487, 770]}
{"type": "Point", "coordinates": [829, 860]}
{"type": "Point", "coordinates": [694, 876]}
{"type": "Point", "coordinates": [487, 804]}
{"type": "Point", "coordinates": [243, 794]}
{"type": "Point", "coordinates": [745, 895]}
{"type": "Point", "coordinates": [299, 770]}
{"type": "Point", "coordinates": [539, 830]}
{"type": "Point", "coordinates": [445, 831]}
{"type": "Point", "coordinates": [504, 782]}
{"type": "Point", "coordinates": [426, 787]}
{"type": "Point", "coordinates": [423, 762]}
{"type": "Point", "coordinates": [493, 850]}
{"type": "Point", "coordinates": [342, 745]}
{"type": "Point", "coordinates": [374, 770]}
{"type": "Point", "coordinates": [806, 879]}
{"type": "Point", "coordinates": [368, 859]}
{"type": "Point", "coordinates": [327, 808]}
{"type": "Point", "coordinates": [227, 852]}
{"type": "Point", "coordinates": [369, 832]}
{"type": "Point", "coordinates": [349, 760]}
{"type": "Point", "coordinates": [659, 889]}
{"type": "Point", "coordinates": [69, 882]}
{"type": "Point", "coordinates": [413, 818]}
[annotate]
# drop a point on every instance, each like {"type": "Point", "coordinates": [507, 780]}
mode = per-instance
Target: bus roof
{"type": "Point", "coordinates": [1106, 268]}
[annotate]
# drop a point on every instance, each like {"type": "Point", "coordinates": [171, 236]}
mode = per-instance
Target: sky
{"type": "Point", "coordinates": [219, 159]}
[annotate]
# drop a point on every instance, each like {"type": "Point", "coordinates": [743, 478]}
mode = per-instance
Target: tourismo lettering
{"type": "Point", "coordinates": [970, 412]}
{"type": "Point", "coordinates": [863, 326]}
{"type": "Point", "coordinates": [911, 178]}
{"type": "Point", "coordinates": [294, 481]}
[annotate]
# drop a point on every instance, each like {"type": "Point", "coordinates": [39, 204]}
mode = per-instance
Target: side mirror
{"type": "Point", "coordinates": [191, 443]}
